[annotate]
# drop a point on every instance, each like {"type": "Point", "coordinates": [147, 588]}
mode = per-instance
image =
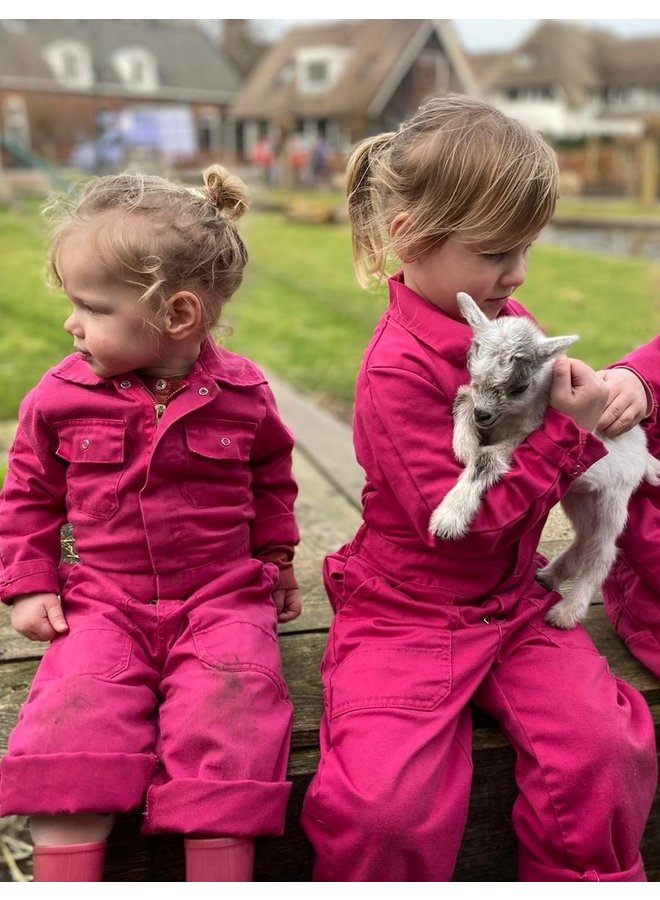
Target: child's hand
{"type": "Point", "coordinates": [38, 617]}
{"type": "Point", "coordinates": [627, 403]}
{"type": "Point", "coordinates": [288, 603]}
{"type": "Point", "coordinates": [578, 392]}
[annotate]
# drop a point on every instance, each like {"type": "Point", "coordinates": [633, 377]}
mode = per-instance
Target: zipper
{"type": "Point", "coordinates": [160, 408]}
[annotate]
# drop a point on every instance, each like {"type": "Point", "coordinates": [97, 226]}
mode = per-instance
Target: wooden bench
{"type": "Point", "coordinates": [330, 482]}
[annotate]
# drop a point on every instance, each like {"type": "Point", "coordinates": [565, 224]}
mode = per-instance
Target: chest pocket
{"type": "Point", "coordinates": [218, 471]}
{"type": "Point", "coordinates": [95, 452]}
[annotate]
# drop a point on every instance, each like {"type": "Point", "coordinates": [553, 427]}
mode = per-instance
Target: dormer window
{"type": "Point", "coordinates": [524, 61]}
{"type": "Point", "coordinates": [70, 66]}
{"type": "Point", "coordinates": [70, 62]}
{"type": "Point", "coordinates": [318, 69]}
{"type": "Point", "coordinates": [136, 68]}
{"type": "Point", "coordinates": [317, 72]}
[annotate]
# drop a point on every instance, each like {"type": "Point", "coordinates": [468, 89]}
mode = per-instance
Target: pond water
{"type": "Point", "coordinates": [616, 240]}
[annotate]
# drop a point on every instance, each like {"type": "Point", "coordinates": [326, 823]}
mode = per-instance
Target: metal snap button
{"type": "Point", "coordinates": [124, 384]}
{"type": "Point", "coordinates": [85, 444]}
{"type": "Point", "coordinates": [225, 441]}
{"type": "Point", "coordinates": [203, 391]}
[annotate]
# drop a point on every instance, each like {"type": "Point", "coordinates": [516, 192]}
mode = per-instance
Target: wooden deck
{"type": "Point", "coordinates": [330, 482]}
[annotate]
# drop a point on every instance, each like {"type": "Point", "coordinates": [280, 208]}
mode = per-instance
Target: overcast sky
{"type": "Point", "coordinates": [491, 34]}
{"type": "Point", "coordinates": [475, 33]}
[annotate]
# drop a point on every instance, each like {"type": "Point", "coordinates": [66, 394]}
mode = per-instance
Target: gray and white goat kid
{"type": "Point", "coordinates": [510, 362]}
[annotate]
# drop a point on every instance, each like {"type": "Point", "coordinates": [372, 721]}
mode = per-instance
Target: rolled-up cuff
{"type": "Point", "coordinates": [531, 870]}
{"type": "Point", "coordinates": [237, 808]}
{"type": "Point", "coordinates": [74, 783]}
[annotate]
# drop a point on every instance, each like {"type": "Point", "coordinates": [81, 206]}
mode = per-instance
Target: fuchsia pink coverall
{"type": "Point", "coordinates": [168, 684]}
{"type": "Point", "coordinates": [424, 627]}
{"type": "Point", "coordinates": [632, 589]}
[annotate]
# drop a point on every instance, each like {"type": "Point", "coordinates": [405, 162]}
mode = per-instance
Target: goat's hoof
{"type": "Point", "coordinates": [445, 527]}
{"type": "Point", "coordinates": [544, 577]}
{"type": "Point", "coordinates": [562, 616]}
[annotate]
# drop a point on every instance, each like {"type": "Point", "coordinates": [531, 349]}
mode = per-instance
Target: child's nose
{"type": "Point", "coordinates": [516, 273]}
{"type": "Point", "coordinates": [71, 326]}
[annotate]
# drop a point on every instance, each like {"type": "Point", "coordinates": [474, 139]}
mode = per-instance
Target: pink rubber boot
{"type": "Point", "coordinates": [219, 859]}
{"type": "Point", "coordinates": [69, 862]}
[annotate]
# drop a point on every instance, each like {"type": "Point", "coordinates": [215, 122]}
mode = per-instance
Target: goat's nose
{"type": "Point", "coordinates": [482, 416]}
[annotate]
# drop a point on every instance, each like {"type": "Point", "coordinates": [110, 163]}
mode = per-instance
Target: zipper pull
{"type": "Point", "coordinates": [160, 409]}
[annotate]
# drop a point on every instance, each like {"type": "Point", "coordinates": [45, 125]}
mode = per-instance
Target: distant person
{"type": "Point", "coordinates": [424, 627]}
{"type": "Point", "coordinates": [632, 589]}
{"type": "Point", "coordinates": [264, 156]}
{"type": "Point", "coordinates": [320, 161]}
{"type": "Point", "coordinates": [162, 686]}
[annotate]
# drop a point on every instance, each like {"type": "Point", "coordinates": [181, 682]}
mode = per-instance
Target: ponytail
{"type": "Point", "coordinates": [369, 242]}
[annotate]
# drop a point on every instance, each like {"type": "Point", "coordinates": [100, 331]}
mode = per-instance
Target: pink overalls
{"type": "Point", "coordinates": [424, 627]}
{"type": "Point", "coordinates": [632, 589]}
{"type": "Point", "coordinates": [168, 684]}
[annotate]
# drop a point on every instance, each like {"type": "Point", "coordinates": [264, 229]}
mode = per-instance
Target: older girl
{"type": "Point", "coordinates": [162, 686]}
{"type": "Point", "coordinates": [425, 627]}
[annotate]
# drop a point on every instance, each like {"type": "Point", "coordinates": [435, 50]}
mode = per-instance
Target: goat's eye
{"type": "Point", "coordinates": [516, 391]}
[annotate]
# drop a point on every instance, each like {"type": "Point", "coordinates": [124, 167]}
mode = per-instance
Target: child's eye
{"type": "Point", "coordinates": [493, 257]}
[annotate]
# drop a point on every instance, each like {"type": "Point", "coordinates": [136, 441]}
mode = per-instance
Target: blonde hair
{"type": "Point", "coordinates": [162, 236]}
{"type": "Point", "coordinates": [459, 167]}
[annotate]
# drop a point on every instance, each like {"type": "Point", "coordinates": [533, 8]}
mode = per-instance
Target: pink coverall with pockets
{"type": "Point", "coordinates": [424, 627]}
{"type": "Point", "coordinates": [168, 683]}
{"type": "Point", "coordinates": [632, 589]}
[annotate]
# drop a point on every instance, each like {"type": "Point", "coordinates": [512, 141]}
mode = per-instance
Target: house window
{"type": "Point", "coordinates": [70, 62]}
{"type": "Point", "coordinates": [136, 68]}
{"type": "Point", "coordinates": [209, 133]}
{"type": "Point", "coordinates": [318, 69]}
{"type": "Point", "coordinates": [317, 72]}
{"type": "Point", "coordinates": [70, 66]}
{"type": "Point", "coordinates": [15, 123]}
{"type": "Point", "coordinates": [524, 61]}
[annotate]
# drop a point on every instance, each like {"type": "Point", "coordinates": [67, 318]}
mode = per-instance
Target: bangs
{"type": "Point", "coordinates": [503, 218]}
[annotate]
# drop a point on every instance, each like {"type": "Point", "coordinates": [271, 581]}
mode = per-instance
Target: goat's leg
{"type": "Point", "coordinates": [580, 512]}
{"type": "Point", "coordinates": [600, 520]}
{"type": "Point", "coordinates": [452, 518]}
{"type": "Point", "coordinates": [465, 441]}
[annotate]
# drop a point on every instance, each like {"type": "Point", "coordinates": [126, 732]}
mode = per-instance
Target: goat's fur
{"type": "Point", "coordinates": [510, 362]}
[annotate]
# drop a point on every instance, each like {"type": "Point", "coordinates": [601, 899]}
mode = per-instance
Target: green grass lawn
{"type": "Point", "coordinates": [301, 313]}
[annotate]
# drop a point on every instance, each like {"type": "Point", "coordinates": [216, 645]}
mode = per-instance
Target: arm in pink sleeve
{"type": "Point", "coordinates": [33, 508]}
{"type": "Point", "coordinates": [404, 428]}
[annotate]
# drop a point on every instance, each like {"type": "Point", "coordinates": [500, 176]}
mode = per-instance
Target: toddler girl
{"type": "Point", "coordinates": [425, 627]}
{"type": "Point", "coordinates": [162, 686]}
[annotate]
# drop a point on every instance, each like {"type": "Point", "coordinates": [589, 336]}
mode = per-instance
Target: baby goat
{"type": "Point", "coordinates": [510, 364]}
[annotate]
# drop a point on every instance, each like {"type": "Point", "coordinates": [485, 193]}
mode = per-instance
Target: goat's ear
{"type": "Point", "coordinates": [554, 346]}
{"type": "Point", "coordinates": [471, 312]}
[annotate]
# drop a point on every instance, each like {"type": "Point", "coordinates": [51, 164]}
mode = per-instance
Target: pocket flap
{"type": "Point", "coordinates": [221, 439]}
{"type": "Point", "coordinates": [91, 440]}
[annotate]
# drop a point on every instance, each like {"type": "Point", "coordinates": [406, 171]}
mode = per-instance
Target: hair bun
{"type": "Point", "coordinates": [226, 192]}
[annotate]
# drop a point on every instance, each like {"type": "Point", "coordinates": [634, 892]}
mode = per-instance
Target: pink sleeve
{"type": "Point", "coordinates": [273, 485]}
{"type": "Point", "coordinates": [645, 363]}
{"type": "Point", "coordinates": [32, 509]}
{"type": "Point", "coordinates": [404, 430]}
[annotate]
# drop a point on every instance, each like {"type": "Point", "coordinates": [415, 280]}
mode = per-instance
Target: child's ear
{"type": "Point", "coordinates": [183, 314]}
{"type": "Point", "coordinates": [397, 222]}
